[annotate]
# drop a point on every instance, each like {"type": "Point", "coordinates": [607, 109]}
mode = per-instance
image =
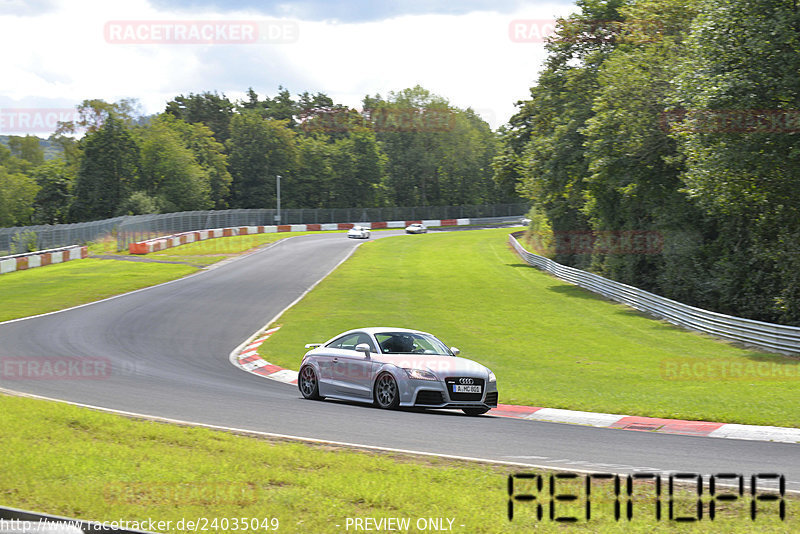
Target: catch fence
{"type": "Point", "coordinates": [132, 228]}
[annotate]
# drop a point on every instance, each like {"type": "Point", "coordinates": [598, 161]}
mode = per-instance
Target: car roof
{"type": "Point", "coordinates": [379, 329]}
{"type": "Point", "coordinates": [372, 330]}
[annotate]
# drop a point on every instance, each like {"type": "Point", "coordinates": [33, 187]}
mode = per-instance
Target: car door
{"type": "Point", "coordinates": [330, 380]}
{"type": "Point", "coordinates": [351, 369]}
{"type": "Point", "coordinates": [324, 359]}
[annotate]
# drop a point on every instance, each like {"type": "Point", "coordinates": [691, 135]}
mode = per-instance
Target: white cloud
{"type": "Point", "coordinates": [60, 57]}
{"type": "Point", "coordinates": [468, 59]}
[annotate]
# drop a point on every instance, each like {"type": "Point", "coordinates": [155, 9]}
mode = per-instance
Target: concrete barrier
{"type": "Point", "coordinates": [31, 260]}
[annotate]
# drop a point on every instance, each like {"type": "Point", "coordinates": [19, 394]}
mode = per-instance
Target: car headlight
{"type": "Point", "coordinates": [420, 374]}
{"type": "Point", "coordinates": [492, 378]}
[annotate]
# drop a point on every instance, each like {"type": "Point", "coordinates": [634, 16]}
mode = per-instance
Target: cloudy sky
{"type": "Point", "coordinates": [483, 54]}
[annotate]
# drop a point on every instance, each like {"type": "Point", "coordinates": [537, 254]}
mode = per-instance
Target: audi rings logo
{"type": "Point", "coordinates": [466, 381]}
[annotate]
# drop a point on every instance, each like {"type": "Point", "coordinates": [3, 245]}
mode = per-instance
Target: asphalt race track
{"type": "Point", "coordinates": [168, 347]}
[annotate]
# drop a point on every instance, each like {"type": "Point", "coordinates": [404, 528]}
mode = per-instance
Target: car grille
{"type": "Point", "coordinates": [491, 398]}
{"type": "Point", "coordinates": [427, 397]}
{"type": "Point", "coordinates": [464, 396]}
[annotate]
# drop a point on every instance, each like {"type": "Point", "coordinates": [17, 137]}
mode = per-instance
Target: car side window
{"type": "Point", "coordinates": [350, 341]}
{"type": "Point", "coordinates": [364, 338]}
{"type": "Point", "coordinates": [347, 342]}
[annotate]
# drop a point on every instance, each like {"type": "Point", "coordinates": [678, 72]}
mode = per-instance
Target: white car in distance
{"type": "Point", "coordinates": [358, 232]}
{"type": "Point", "coordinates": [416, 228]}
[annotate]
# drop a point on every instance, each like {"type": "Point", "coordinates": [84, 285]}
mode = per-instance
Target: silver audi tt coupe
{"type": "Point", "coordinates": [393, 367]}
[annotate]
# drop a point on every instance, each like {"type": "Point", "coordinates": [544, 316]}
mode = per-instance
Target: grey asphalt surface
{"type": "Point", "coordinates": [168, 348]}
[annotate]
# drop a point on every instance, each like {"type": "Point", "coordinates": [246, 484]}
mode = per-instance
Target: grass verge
{"type": "Point", "coordinates": [222, 247]}
{"type": "Point", "coordinates": [64, 285]}
{"type": "Point", "coordinates": [80, 463]}
{"type": "Point", "coordinates": [549, 343]}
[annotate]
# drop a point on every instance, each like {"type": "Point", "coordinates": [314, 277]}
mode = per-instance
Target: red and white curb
{"type": "Point", "coordinates": [652, 424]}
{"type": "Point", "coordinates": [248, 359]}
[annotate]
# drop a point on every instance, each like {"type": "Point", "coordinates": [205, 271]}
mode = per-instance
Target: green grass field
{"type": "Point", "coordinates": [199, 253]}
{"type": "Point", "coordinates": [203, 253]}
{"type": "Point", "coordinates": [64, 285]}
{"type": "Point", "coordinates": [549, 343]}
{"type": "Point", "coordinates": [224, 246]}
{"type": "Point", "coordinates": [84, 464]}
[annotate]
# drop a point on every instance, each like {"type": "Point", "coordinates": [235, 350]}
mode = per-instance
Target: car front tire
{"type": "Point", "coordinates": [386, 392]}
{"type": "Point", "coordinates": [308, 383]}
{"type": "Point", "coordinates": [474, 411]}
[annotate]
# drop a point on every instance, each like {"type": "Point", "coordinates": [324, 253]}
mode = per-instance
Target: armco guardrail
{"type": "Point", "coordinates": [776, 337]}
{"type": "Point", "coordinates": [40, 258]}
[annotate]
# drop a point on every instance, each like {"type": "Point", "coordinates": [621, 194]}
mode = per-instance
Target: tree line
{"type": "Point", "coordinates": [204, 151]}
{"type": "Point", "coordinates": [678, 119]}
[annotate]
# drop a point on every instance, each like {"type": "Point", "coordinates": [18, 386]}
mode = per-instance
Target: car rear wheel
{"type": "Point", "coordinates": [474, 411]}
{"type": "Point", "coordinates": [308, 383]}
{"type": "Point", "coordinates": [386, 393]}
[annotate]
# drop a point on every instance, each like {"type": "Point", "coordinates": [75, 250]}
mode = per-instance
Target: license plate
{"type": "Point", "coordinates": [458, 388]}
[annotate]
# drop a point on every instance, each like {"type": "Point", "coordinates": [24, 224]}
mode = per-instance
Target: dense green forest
{"type": "Point", "coordinates": [674, 119]}
{"type": "Point", "coordinates": [205, 151]}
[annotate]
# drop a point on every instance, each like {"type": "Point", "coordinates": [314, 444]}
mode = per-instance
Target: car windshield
{"type": "Point", "coordinates": [411, 343]}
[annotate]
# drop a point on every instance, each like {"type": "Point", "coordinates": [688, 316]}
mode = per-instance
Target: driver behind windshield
{"type": "Point", "coordinates": [398, 344]}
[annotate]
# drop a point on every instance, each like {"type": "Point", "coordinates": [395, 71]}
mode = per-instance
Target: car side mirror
{"type": "Point", "coordinates": [455, 351]}
{"type": "Point", "coordinates": [363, 347]}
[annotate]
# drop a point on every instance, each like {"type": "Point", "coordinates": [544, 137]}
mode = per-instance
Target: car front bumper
{"type": "Point", "coordinates": [436, 394]}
